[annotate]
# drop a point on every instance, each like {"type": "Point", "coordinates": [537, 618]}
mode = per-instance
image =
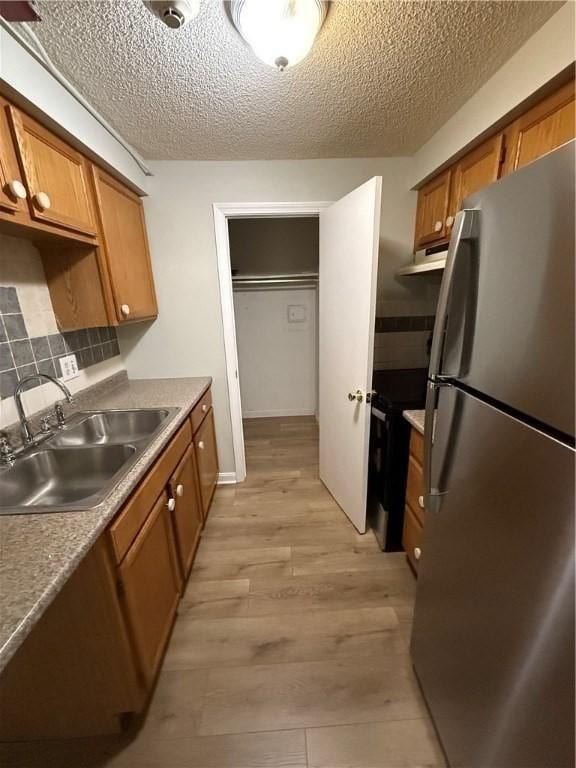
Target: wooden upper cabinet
{"type": "Point", "coordinates": [150, 585]}
{"type": "Point", "coordinates": [186, 508]}
{"type": "Point", "coordinates": [543, 128]}
{"type": "Point", "coordinates": [56, 176]}
{"type": "Point", "coordinates": [432, 212]}
{"type": "Point", "coordinates": [475, 170]}
{"type": "Point", "coordinates": [13, 193]}
{"type": "Point", "coordinates": [207, 457]}
{"type": "Point", "coordinates": [123, 231]}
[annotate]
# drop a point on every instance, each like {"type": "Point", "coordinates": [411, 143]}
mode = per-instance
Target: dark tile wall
{"type": "Point", "coordinates": [396, 324]}
{"type": "Point", "coordinates": [21, 356]}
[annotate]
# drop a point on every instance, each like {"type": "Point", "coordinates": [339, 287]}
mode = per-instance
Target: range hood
{"type": "Point", "coordinates": [430, 260]}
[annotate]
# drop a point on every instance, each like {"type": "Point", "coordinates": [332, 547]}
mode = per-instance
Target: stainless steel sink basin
{"type": "Point", "coordinates": [76, 467]}
{"type": "Point", "coordinates": [103, 427]}
{"type": "Point", "coordinates": [57, 478]}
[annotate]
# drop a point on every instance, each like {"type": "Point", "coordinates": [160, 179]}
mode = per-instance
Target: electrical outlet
{"type": "Point", "coordinates": [69, 367]}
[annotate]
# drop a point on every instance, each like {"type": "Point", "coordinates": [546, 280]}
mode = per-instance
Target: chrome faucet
{"type": "Point", "coordinates": [27, 434]}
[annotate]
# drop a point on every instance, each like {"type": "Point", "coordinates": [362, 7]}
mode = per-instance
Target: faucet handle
{"type": "Point", "coordinates": [59, 413]}
{"type": "Point", "coordinates": [45, 424]}
{"type": "Point", "coordinates": [6, 451]}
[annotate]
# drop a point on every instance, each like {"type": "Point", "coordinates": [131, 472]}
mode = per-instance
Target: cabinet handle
{"type": "Point", "coordinates": [449, 221]}
{"type": "Point", "coordinates": [201, 445]}
{"type": "Point", "coordinates": [421, 502]}
{"type": "Point", "coordinates": [204, 408]}
{"type": "Point", "coordinates": [17, 190]}
{"type": "Point", "coordinates": [180, 490]}
{"type": "Point", "coordinates": [417, 553]}
{"type": "Point", "coordinates": [42, 201]}
{"type": "Point", "coordinates": [125, 309]}
{"type": "Point", "coordinates": [437, 226]}
{"type": "Point", "coordinates": [171, 504]}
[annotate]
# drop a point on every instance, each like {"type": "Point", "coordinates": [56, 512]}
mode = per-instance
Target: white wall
{"type": "Point", "coordinates": [187, 338]}
{"type": "Point", "coordinates": [277, 358]}
{"type": "Point", "coordinates": [33, 83]}
{"type": "Point", "coordinates": [546, 54]}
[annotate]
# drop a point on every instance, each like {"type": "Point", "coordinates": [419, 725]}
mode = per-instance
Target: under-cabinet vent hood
{"type": "Point", "coordinates": [431, 260]}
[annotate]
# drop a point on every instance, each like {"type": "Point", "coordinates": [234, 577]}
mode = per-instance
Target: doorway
{"type": "Point", "coordinates": [243, 217]}
{"type": "Point", "coordinates": [348, 262]}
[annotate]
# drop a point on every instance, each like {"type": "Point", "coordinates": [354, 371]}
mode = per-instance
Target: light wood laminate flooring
{"type": "Point", "coordinates": [291, 645]}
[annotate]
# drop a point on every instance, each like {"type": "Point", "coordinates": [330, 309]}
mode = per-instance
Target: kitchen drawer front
{"type": "Point", "coordinates": [417, 446]}
{"type": "Point", "coordinates": [412, 537]}
{"type": "Point", "coordinates": [150, 584]}
{"type": "Point", "coordinates": [125, 527]}
{"type": "Point", "coordinates": [415, 488]}
{"type": "Point", "coordinates": [200, 410]}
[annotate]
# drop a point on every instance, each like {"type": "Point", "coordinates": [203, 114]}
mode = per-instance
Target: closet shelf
{"type": "Point", "coordinates": [270, 282]}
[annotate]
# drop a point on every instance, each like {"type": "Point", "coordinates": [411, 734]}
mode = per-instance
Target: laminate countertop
{"type": "Point", "coordinates": [38, 553]}
{"type": "Point", "coordinates": [416, 419]}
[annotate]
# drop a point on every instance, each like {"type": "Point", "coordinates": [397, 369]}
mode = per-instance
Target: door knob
{"type": "Point", "coordinates": [421, 502]}
{"type": "Point", "coordinates": [358, 396]}
{"type": "Point", "coordinates": [171, 504]}
{"type": "Point", "coordinates": [201, 445]}
{"type": "Point", "coordinates": [125, 309]}
{"type": "Point", "coordinates": [204, 408]}
{"type": "Point", "coordinates": [417, 553]}
{"type": "Point", "coordinates": [17, 189]}
{"type": "Point", "coordinates": [180, 490]}
{"type": "Point", "coordinates": [437, 226]}
{"type": "Point", "coordinates": [449, 221]}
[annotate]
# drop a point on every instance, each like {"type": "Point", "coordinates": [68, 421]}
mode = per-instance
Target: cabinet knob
{"type": "Point", "coordinates": [171, 504]}
{"type": "Point", "coordinates": [421, 502]}
{"type": "Point", "coordinates": [17, 190]}
{"type": "Point", "coordinates": [204, 408]}
{"type": "Point", "coordinates": [201, 445]}
{"type": "Point", "coordinates": [180, 490]}
{"type": "Point", "coordinates": [125, 309]}
{"type": "Point", "coordinates": [417, 553]}
{"type": "Point", "coordinates": [437, 226]}
{"type": "Point", "coordinates": [449, 221]}
{"type": "Point", "coordinates": [42, 201]}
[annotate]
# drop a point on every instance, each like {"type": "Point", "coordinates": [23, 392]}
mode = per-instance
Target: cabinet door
{"type": "Point", "coordinates": [185, 504]}
{"type": "Point", "coordinates": [543, 128]}
{"type": "Point", "coordinates": [126, 247]}
{"type": "Point", "coordinates": [150, 586]}
{"type": "Point", "coordinates": [432, 210]}
{"type": "Point", "coordinates": [57, 177]}
{"type": "Point", "coordinates": [207, 457]}
{"type": "Point", "coordinates": [475, 170]}
{"type": "Point", "coordinates": [12, 190]}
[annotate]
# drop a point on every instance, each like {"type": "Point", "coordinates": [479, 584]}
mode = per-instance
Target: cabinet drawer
{"type": "Point", "coordinates": [417, 446]}
{"type": "Point", "coordinates": [125, 527]}
{"type": "Point", "coordinates": [201, 409]}
{"type": "Point", "coordinates": [415, 488]}
{"type": "Point", "coordinates": [412, 537]}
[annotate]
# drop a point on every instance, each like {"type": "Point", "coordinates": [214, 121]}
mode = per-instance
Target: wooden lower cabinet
{"type": "Point", "coordinates": [93, 657]}
{"type": "Point", "coordinates": [207, 457]}
{"type": "Point", "coordinates": [414, 513]}
{"type": "Point", "coordinates": [186, 509]}
{"type": "Point", "coordinates": [150, 585]}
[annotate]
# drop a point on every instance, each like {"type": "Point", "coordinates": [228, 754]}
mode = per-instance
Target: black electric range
{"type": "Point", "coordinates": [395, 390]}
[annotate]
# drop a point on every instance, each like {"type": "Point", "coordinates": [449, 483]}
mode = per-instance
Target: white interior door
{"type": "Point", "coordinates": [349, 236]}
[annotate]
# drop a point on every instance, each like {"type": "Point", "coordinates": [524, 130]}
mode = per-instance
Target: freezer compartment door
{"type": "Point", "coordinates": [509, 323]}
{"type": "Point", "coordinates": [493, 638]}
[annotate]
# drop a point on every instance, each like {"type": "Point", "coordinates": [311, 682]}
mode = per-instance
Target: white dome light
{"type": "Point", "coordinates": [280, 32]}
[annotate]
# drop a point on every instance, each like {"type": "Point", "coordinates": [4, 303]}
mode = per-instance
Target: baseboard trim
{"type": "Point", "coordinates": [227, 478]}
{"type": "Point", "coordinates": [272, 414]}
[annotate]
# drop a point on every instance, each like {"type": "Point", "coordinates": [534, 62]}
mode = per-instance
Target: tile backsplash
{"type": "Point", "coordinates": [22, 355]}
{"type": "Point", "coordinates": [402, 341]}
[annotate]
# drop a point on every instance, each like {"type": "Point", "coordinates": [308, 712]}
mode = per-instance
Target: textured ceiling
{"type": "Point", "coordinates": [381, 78]}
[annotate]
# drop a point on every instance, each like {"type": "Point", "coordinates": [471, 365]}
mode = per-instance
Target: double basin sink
{"type": "Point", "coordinates": [75, 467]}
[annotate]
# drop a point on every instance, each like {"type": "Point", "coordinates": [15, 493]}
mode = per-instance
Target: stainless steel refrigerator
{"type": "Point", "coordinates": [493, 637]}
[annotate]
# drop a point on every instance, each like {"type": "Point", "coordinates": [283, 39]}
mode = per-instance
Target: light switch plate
{"type": "Point", "coordinates": [69, 367]}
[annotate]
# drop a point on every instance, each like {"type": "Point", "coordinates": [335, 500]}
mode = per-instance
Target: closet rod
{"type": "Point", "coordinates": [271, 280]}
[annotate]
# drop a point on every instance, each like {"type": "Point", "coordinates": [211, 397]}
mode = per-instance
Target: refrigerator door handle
{"type": "Point", "coordinates": [466, 228]}
{"type": "Point", "coordinates": [432, 494]}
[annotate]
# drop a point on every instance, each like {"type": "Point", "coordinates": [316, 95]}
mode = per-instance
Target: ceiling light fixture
{"type": "Point", "coordinates": [280, 32]}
